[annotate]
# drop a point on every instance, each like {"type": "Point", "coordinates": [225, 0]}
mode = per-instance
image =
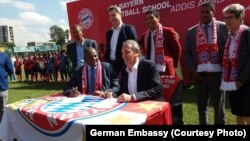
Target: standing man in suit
{"type": "Point", "coordinates": [103, 77]}
{"type": "Point", "coordinates": [203, 55]}
{"type": "Point", "coordinates": [6, 69]}
{"type": "Point", "coordinates": [140, 80]}
{"type": "Point", "coordinates": [160, 44]}
{"type": "Point", "coordinates": [115, 36]}
{"type": "Point", "coordinates": [75, 50]}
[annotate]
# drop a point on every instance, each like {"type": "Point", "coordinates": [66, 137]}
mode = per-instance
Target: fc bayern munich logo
{"type": "Point", "coordinates": [85, 18]}
{"type": "Point", "coordinates": [55, 117]}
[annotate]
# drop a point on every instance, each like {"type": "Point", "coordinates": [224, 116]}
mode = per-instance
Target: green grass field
{"type": "Point", "coordinates": [21, 90]}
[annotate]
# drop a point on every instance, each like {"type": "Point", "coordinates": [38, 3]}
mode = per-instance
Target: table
{"type": "Point", "coordinates": [57, 117]}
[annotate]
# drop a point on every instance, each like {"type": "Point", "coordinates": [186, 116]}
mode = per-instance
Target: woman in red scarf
{"type": "Point", "coordinates": [236, 63]}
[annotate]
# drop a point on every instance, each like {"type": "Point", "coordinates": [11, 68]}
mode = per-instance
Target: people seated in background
{"type": "Point", "coordinates": [139, 78]}
{"type": "Point", "coordinates": [75, 50]}
{"type": "Point", "coordinates": [94, 77]}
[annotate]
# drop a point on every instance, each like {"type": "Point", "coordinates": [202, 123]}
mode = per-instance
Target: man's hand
{"type": "Point", "coordinates": [106, 94]}
{"type": "Point", "coordinates": [124, 98]}
{"type": "Point", "coordinates": [100, 93]}
{"type": "Point", "coordinates": [238, 84]}
{"type": "Point", "coordinates": [196, 75]}
{"type": "Point", "coordinates": [74, 92]}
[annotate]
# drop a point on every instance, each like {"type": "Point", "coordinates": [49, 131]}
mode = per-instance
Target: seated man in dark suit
{"type": "Point", "coordinates": [93, 77]}
{"type": "Point", "coordinates": [139, 79]}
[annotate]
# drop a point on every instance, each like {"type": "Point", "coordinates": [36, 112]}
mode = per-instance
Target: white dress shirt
{"type": "Point", "coordinates": [113, 42]}
{"type": "Point", "coordinates": [132, 78]}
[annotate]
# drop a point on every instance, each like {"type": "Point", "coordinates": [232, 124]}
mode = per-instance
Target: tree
{"type": "Point", "coordinates": [66, 32]}
{"type": "Point", "coordinates": [8, 45]}
{"type": "Point", "coordinates": [57, 35]}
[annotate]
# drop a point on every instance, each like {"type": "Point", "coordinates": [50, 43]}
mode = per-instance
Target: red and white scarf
{"type": "Point", "coordinates": [230, 68]}
{"type": "Point", "coordinates": [207, 53]}
{"type": "Point", "coordinates": [98, 83]}
{"type": "Point", "coordinates": [159, 48]}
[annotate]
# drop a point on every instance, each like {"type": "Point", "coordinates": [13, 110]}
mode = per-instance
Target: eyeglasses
{"type": "Point", "coordinates": [229, 17]}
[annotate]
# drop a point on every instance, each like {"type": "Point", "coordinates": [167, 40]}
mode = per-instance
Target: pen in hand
{"type": "Point", "coordinates": [74, 89]}
{"type": "Point", "coordinates": [74, 92]}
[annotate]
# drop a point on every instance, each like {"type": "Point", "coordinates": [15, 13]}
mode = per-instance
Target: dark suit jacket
{"type": "Point", "coordinates": [109, 79]}
{"type": "Point", "coordinates": [127, 32]}
{"type": "Point", "coordinates": [172, 49]}
{"type": "Point", "coordinates": [148, 82]}
{"type": "Point", "coordinates": [244, 58]}
{"type": "Point", "coordinates": [71, 50]}
{"type": "Point", "coordinates": [190, 53]}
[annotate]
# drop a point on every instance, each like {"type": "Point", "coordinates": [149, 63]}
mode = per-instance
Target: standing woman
{"type": "Point", "coordinates": [236, 63]}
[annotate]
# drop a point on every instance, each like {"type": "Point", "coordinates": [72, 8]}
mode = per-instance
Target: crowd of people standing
{"type": "Point", "coordinates": [48, 67]}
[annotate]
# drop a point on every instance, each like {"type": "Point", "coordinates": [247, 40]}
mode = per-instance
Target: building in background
{"type": "Point", "coordinates": [6, 34]}
{"type": "Point", "coordinates": [41, 44]}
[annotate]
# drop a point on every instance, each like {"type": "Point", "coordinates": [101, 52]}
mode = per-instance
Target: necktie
{"type": "Point", "coordinates": [206, 31]}
{"type": "Point", "coordinates": [152, 54]}
{"type": "Point", "coordinates": [149, 46]}
{"type": "Point", "coordinates": [92, 81]}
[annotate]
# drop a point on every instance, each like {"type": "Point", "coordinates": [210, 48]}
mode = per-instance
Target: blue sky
{"type": "Point", "coordinates": [31, 19]}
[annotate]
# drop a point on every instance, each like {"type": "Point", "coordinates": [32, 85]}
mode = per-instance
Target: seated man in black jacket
{"type": "Point", "coordinates": [94, 77]}
{"type": "Point", "coordinates": [139, 78]}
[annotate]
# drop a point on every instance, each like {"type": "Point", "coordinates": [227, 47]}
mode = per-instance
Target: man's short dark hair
{"type": "Point", "coordinates": [209, 4]}
{"type": "Point", "coordinates": [154, 12]}
{"type": "Point", "coordinates": [89, 49]}
{"type": "Point", "coordinates": [115, 7]}
{"type": "Point", "coordinates": [78, 26]}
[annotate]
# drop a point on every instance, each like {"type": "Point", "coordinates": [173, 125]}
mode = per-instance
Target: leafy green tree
{"type": "Point", "coordinates": [57, 35]}
{"type": "Point", "coordinates": [8, 45]}
{"type": "Point", "coordinates": [66, 32]}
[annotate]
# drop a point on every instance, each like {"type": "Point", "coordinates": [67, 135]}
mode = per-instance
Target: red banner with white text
{"type": "Point", "coordinates": [181, 15]}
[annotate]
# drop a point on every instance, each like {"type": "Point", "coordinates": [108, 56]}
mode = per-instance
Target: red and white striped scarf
{"type": "Point", "coordinates": [98, 83]}
{"type": "Point", "coordinates": [230, 68]}
{"type": "Point", "coordinates": [207, 53]}
{"type": "Point", "coordinates": [159, 48]}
